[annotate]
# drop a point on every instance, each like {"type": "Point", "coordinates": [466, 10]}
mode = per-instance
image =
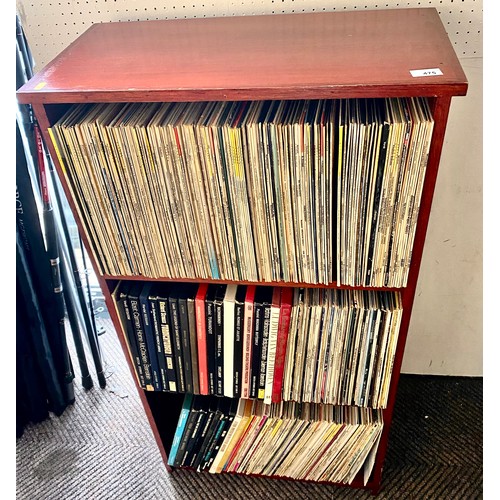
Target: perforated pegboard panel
{"type": "Point", "coordinates": [52, 25]}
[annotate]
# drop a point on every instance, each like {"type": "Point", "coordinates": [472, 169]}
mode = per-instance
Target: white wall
{"type": "Point", "coordinates": [446, 329]}
{"type": "Point", "coordinates": [445, 335]}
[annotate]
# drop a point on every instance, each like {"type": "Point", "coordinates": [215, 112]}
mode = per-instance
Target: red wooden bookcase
{"type": "Point", "coordinates": [293, 56]}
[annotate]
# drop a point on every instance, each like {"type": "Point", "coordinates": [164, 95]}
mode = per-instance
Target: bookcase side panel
{"type": "Point", "coordinates": [440, 109]}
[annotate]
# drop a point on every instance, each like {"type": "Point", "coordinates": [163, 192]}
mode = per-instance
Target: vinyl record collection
{"type": "Point", "coordinates": [301, 441]}
{"type": "Point", "coordinates": [307, 191]}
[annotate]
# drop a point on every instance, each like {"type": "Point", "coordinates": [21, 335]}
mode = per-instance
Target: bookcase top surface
{"type": "Point", "coordinates": [288, 56]}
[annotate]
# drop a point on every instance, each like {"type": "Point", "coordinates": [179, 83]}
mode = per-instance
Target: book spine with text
{"type": "Point", "coordinates": [135, 312]}
{"type": "Point", "coordinates": [166, 335]}
{"type": "Point", "coordinates": [239, 311]}
{"type": "Point", "coordinates": [281, 344]}
{"type": "Point", "coordinates": [148, 333]}
{"type": "Point", "coordinates": [185, 342]}
{"type": "Point", "coordinates": [228, 311]}
{"type": "Point", "coordinates": [160, 352]}
{"type": "Point", "coordinates": [201, 337]}
{"type": "Point", "coordinates": [248, 326]}
{"type": "Point", "coordinates": [177, 343]}
{"type": "Point", "coordinates": [193, 342]}
{"type": "Point", "coordinates": [258, 327]}
{"type": "Point", "coordinates": [272, 345]}
{"type": "Point", "coordinates": [263, 350]}
{"type": "Point", "coordinates": [121, 301]}
{"type": "Point", "coordinates": [210, 329]}
{"type": "Point", "coordinates": [219, 340]}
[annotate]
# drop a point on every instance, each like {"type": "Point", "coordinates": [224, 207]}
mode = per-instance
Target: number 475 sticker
{"type": "Point", "coordinates": [426, 72]}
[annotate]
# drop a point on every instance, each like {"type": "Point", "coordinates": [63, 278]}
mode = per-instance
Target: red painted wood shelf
{"type": "Point", "coordinates": [295, 56]}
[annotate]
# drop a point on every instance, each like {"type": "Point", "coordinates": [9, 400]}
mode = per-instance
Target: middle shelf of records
{"type": "Point", "coordinates": [294, 191]}
{"type": "Point", "coordinates": [268, 343]}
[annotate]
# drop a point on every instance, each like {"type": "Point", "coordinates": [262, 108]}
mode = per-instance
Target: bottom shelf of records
{"type": "Point", "coordinates": [301, 441]}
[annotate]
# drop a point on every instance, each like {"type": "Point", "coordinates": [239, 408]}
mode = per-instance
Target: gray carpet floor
{"type": "Point", "coordinates": [102, 448]}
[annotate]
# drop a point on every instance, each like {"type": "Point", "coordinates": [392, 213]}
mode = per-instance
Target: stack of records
{"type": "Point", "coordinates": [314, 191]}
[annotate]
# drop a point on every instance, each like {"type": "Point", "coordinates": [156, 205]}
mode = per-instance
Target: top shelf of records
{"type": "Point", "coordinates": [308, 191]}
{"type": "Point", "coordinates": [380, 53]}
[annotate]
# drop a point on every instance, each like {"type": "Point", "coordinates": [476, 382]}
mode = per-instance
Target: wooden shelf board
{"type": "Point", "coordinates": [286, 56]}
